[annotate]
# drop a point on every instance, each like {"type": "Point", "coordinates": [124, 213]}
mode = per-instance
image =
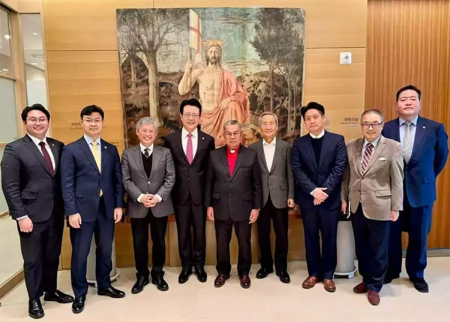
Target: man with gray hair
{"type": "Point", "coordinates": [274, 157]}
{"type": "Point", "coordinates": [233, 197]}
{"type": "Point", "coordinates": [148, 177]}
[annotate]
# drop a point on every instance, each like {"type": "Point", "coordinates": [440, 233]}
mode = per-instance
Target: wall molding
{"type": "Point", "coordinates": [11, 283]}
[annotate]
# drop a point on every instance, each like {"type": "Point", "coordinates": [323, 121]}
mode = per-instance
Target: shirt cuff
{"type": "Point", "coordinates": [159, 197]}
{"type": "Point", "coordinates": [140, 198]}
{"type": "Point", "coordinates": [311, 193]}
{"type": "Point", "coordinates": [23, 217]}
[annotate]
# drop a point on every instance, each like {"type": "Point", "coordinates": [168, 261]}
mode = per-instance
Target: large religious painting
{"type": "Point", "coordinates": [238, 62]}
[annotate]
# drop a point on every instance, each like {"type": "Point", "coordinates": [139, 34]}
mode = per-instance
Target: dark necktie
{"type": "Point", "coordinates": [366, 157]}
{"type": "Point", "coordinates": [146, 152]}
{"type": "Point", "coordinates": [47, 157]}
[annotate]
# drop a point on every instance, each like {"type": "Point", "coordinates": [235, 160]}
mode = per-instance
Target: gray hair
{"type": "Point", "coordinates": [268, 114]}
{"type": "Point", "coordinates": [232, 122]}
{"type": "Point", "coordinates": [147, 121]}
{"type": "Point", "coordinates": [373, 111]}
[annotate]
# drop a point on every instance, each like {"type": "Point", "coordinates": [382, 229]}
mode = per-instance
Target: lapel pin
{"type": "Point", "coordinates": [53, 144]}
{"type": "Point", "coordinates": [203, 138]}
{"type": "Point", "coordinates": [424, 126]}
{"type": "Point", "coordinates": [105, 147]}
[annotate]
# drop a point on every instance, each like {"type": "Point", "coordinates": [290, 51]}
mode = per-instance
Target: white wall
{"type": "Point", "coordinates": [36, 86]}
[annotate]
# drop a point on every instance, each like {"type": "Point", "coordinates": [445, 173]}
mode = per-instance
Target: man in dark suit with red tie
{"type": "Point", "coordinates": [32, 187]}
{"type": "Point", "coordinates": [190, 150]}
{"type": "Point", "coordinates": [233, 198]}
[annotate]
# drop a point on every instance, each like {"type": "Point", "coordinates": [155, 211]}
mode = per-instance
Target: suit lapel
{"type": "Point", "coordinates": [238, 161]}
{"type": "Point", "coordinates": [137, 155]}
{"type": "Point", "coordinates": [34, 149]}
{"type": "Point", "coordinates": [276, 156]}
{"type": "Point", "coordinates": [88, 153]}
{"type": "Point", "coordinates": [380, 147]}
{"type": "Point", "coordinates": [396, 131]}
{"type": "Point", "coordinates": [224, 159]}
{"type": "Point", "coordinates": [310, 151]}
{"type": "Point", "coordinates": [323, 150]}
{"type": "Point", "coordinates": [261, 155]}
{"type": "Point", "coordinates": [420, 134]}
{"type": "Point", "coordinates": [156, 158]}
{"type": "Point", "coordinates": [358, 147]}
{"type": "Point", "coordinates": [179, 142]}
{"type": "Point", "coordinates": [200, 142]}
{"type": "Point", "coordinates": [103, 154]}
{"type": "Point", "coordinates": [55, 154]}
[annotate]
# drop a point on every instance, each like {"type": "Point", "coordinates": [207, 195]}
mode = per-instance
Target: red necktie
{"type": "Point", "coordinates": [190, 149]}
{"type": "Point", "coordinates": [367, 156]}
{"type": "Point", "coordinates": [47, 157]}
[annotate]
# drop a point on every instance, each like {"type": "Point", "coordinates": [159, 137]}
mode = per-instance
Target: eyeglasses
{"type": "Point", "coordinates": [188, 115]}
{"type": "Point", "coordinates": [35, 120]}
{"type": "Point", "coordinates": [229, 135]}
{"type": "Point", "coordinates": [373, 125]}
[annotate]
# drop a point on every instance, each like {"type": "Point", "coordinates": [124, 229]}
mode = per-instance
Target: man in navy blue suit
{"type": "Point", "coordinates": [319, 160]}
{"type": "Point", "coordinates": [93, 199]}
{"type": "Point", "coordinates": [425, 152]}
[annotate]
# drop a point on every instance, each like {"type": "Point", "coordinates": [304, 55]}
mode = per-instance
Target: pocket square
{"type": "Point", "coordinates": [381, 159]}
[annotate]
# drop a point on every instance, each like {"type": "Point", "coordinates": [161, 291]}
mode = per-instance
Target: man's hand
{"type": "Point", "coordinates": [146, 200]}
{"type": "Point", "coordinates": [317, 202]}
{"type": "Point", "coordinates": [344, 207]}
{"type": "Point", "coordinates": [75, 221]}
{"type": "Point", "coordinates": [26, 225]}
{"type": "Point", "coordinates": [319, 194]}
{"type": "Point", "coordinates": [117, 214]}
{"type": "Point", "coordinates": [153, 200]}
{"type": "Point", "coordinates": [290, 203]}
{"type": "Point", "coordinates": [394, 215]}
{"type": "Point", "coordinates": [254, 215]}
{"type": "Point", "coordinates": [210, 213]}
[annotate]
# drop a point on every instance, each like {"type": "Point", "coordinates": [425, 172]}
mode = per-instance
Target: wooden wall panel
{"type": "Point", "coordinates": [409, 43]}
{"type": "Point", "coordinates": [83, 68]}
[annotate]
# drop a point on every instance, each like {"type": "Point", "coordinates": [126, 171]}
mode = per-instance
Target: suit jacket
{"type": "Point", "coordinates": [29, 187]}
{"type": "Point", "coordinates": [428, 158]}
{"type": "Point", "coordinates": [136, 181]}
{"type": "Point", "coordinates": [327, 173]}
{"type": "Point", "coordinates": [279, 181]}
{"type": "Point", "coordinates": [190, 180]}
{"type": "Point", "coordinates": [82, 180]}
{"type": "Point", "coordinates": [233, 196]}
{"type": "Point", "coordinates": [380, 187]}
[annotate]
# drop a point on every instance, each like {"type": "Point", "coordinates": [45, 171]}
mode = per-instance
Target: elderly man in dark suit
{"type": "Point", "coordinates": [148, 177]}
{"type": "Point", "coordinates": [32, 187]}
{"type": "Point", "coordinates": [274, 157]}
{"type": "Point", "coordinates": [233, 198]}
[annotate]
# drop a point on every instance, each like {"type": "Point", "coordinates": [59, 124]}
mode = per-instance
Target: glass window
{"type": "Point", "coordinates": [8, 120]}
{"type": "Point", "coordinates": [6, 62]}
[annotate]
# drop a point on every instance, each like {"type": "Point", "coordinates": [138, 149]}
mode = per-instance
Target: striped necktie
{"type": "Point", "coordinates": [366, 158]}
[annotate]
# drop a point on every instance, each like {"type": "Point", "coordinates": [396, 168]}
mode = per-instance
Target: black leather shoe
{"type": "Point", "coordinates": [420, 284]}
{"type": "Point", "coordinates": [263, 272]}
{"type": "Point", "coordinates": [389, 279]}
{"type": "Point", "coordinates": [78, 304]}
{"type": "Point", "coordinates": [59, 297]}
{"type": "Point", "coordinates": [284, 276]}
{"type": "Point", "coordinates": [184, 275]}
{"type": "Point", "coordinates": [35, 309]}
{"type": "Point", "coordinates": [160, 283]}
{"type": "Point", "coordinates": [139, 285]}
{"type": "Point", "coordinates": [201, 274]}
{"type": "Point", "coordinates": [111, 292]}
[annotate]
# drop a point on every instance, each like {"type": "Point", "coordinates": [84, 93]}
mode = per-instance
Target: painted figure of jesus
{"type": "Point", "coordinates": [221, 94]}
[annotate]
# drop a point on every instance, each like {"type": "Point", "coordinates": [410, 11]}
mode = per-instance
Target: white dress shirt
{"type": "Point", "coordinates": [269, 152]}
{"type": "Point", "coordinates": [318, 136]}
{"type": "Point", "coordinates": [143, 147]}
{"type": "Point", "coordinates": [184, 140]}
{"type": "Point", "coordinates": [36, 141]}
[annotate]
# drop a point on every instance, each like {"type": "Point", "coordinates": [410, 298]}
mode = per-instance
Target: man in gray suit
{"type": "Point", "coordinates": [278, 194]}
{"type": "Point", "coordinates": [148, 177]}
{"type": "Point", "coordinates": [373, 185]}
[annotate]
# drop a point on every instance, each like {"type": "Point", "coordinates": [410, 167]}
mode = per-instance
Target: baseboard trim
{"type": "Point", "coordinates": [11, 283]}
{"type": "Point", "coordinates": [4, 214]}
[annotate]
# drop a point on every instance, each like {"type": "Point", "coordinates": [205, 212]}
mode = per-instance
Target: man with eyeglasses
{"type": "Point", "coordinates": [373, 186]}
{"type": "Point", "coordinates": [190, 149]}
{"type": "Point", "coordinates": [425, 151]}
{"type": "Point", "coordinates": [91, 177]}
{"type": "Point", "coordinates": [31, 183]}
{"type": "Point", "coordinates": [233, 197]}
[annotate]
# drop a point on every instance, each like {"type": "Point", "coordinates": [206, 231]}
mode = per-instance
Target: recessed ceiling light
{"type": "Point", "coordinates": [35, 33]}
{"type": "Point", "coordinates": [7, 36]}
{"type": "Point", "coordinates": [5, 70]}
{"type": "Point", "coordinates": [34, 64]}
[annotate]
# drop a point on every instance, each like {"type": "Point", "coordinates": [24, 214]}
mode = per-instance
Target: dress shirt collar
{"type": "Point", "coordinates": [184, 133]}
{"type": "Point", "coordinates": [318, 136]}
{"type": "Point", "coordinates": [374, 142]}
{"type": "Point", "coordinates": [36, 140]}
{"type": "Point", "coordinates": [414, 121]}
{"type": "Point", "coordinates": [274, 142]}
{"type": "Point", "coordinates": [89, 140]}
{"type": "Point", "coordinates": [235, 150]}
{"type": "Point", "coordinates": [143, 147]}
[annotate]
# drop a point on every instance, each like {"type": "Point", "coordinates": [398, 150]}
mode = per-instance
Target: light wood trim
{"type": "Point", "coordinates": [4, 214]}
{"type": "Point", "coordinates": [11, 283]}
{"type": "Point", "coordinates": [8, 77]}
{"type": "Point", "coordinates": [10, 4]}
{"type": "Point", "coordinates": [30, 6]}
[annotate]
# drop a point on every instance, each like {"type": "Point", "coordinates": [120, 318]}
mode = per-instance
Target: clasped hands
{"type": "Point", "coordinates": [149, 200]}
{"type": "Point", "coordinates": [319, 195]}
{"type": "Point", "coordinates": [253, 215]}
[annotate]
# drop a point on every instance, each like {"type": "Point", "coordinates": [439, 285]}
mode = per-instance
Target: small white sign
{"type": "Point", "coordinates": [346, 58]}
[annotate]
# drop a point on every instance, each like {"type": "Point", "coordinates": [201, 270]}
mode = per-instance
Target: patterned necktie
{"type": "Point", "coordinates": [407, 141]}
{"type": "Point", "coordinates": [146, 152]}
{"type": "Point", "coordinates": [96, 154]}
{"type": "Point", "coordinates": [189, 149]}
{"type": "Point", "coordinates": [47, 157]}
{"type": "Point", "coordinates": [366, 157]}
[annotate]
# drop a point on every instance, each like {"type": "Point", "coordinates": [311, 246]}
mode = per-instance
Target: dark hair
{"type": "Point", "coordinates": [407, 88]}
{"type": "Point", "coordinates": [34, 107]}
{"type": "Point", "coordinates": [88, 110]}
{"type": "Point", "coordinates": [312, 106]}
{"type": "Point", "coordinates": [374, 111]}
{"type": "Point", "coordinates": [192, 102]}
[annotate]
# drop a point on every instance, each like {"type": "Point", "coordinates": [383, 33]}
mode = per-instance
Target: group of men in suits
{"type": "Point", "coordinates": [377, 178]}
